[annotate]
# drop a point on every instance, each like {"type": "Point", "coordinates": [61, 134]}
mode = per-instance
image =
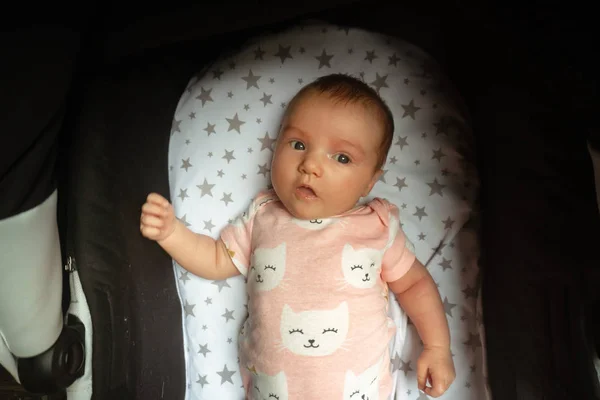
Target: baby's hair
{"type": "Point", "coordinates": [348, 89]}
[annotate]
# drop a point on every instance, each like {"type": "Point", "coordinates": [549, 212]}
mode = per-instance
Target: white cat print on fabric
{"type": "Point", "coordinates": [267, 387]}
{"type": "Point", "coordinates": [267, 268]}
{"type": "Point", "coordinates": [361, 267]}
{"type": "Point", "coordinates": [364, 386]}
{"type": "Point", "coordinates": [314, 332]}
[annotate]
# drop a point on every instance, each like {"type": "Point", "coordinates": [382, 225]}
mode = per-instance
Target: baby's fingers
{"type": "Point", "coordinates": [440, 382]}
{"type": "Point", "coordinates": [154, 209]}
{"type": "Point", "coordinates": [155, 198]}
{"type": "Point", "coordinates": [152, 221]}
{"type": "Point", "coordinates": [422, 374]}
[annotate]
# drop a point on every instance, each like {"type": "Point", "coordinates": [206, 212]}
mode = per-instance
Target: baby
{"type": "Point", "coordinates": [318, 262]}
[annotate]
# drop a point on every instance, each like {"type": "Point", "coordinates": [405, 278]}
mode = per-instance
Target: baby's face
{"type": "Point", "coordinates": [326, 157]}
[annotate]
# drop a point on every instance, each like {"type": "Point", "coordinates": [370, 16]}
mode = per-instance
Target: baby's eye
{"type": "Point", "coordinates": [342, 158]}
{"type": "Point", "coordinates": [269, 267]}
{"type": "Point", "coordinates": [334, 330]}
{"type": "Point", "coordinates": [297, 145]}
{"type": "Point", "coordinates": [355, 267]}
{"type": "Point", "coordinates": [296, 331]}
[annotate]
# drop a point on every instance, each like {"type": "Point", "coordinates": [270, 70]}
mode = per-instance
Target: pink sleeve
{"type": "Point", "coordinates": [237, 237]}
{"type": "Point", "coordinates": [397, 258]}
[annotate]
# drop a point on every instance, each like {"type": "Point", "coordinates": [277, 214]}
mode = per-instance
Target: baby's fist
{"type": "Point", "coordinates": [436, 366]}
{"type": "Point", "coordinates": [157, 221]}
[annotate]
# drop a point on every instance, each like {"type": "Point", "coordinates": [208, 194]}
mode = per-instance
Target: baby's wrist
{"type": "Point", "coordinates": [442, 347]}
{"type": "Point", "coordinates": [171, 233]}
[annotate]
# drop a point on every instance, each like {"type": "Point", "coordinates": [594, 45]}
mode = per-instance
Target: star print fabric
{"type": "Point", "coordinates": [222, 140]}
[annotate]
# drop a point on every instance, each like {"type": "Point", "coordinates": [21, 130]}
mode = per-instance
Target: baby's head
{"type": "Point", "coordinates": [334, 139]}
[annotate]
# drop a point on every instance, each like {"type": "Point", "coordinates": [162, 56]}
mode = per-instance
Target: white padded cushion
{"type": "Point", "coordinates": [220, 152]}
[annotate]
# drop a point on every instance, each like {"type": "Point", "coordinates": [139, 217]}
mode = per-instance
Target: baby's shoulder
{"type": "Point", "coordinates": [386, 211]}
{"type": "Point", "coordinates": [262, 198]}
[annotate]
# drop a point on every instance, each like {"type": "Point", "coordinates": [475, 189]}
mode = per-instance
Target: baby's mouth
{"type": "Point", "coordinates": [306, 192]}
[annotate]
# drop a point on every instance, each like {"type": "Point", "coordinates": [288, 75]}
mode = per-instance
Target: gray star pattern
{"type": "Point", "coordinates": [473, 341]}
{"type": "Point", "coordinates": [266, 142]}
{"type": "Point", "coordinates": [406, 368]}
{"type": "Point", "coordinates": [185, 164]}
{"type": "Point", "coordinates": [205, 188]}
{"type": "Point", "coordinates": [235, 123]}
{"type": "Point", "coordinates": [420, 213]}
{"type": "Point", "coordinates": [266, 99]}
{"type": "Point", "coordinates": [448, 307]}
{"type": "Point", "coordinates": [202, 380]}
{"type": "Point", "coordinates": [393, 60]}
{"type": "Point", "coordinates": [400, 183]}
{"type": "Point", "coordinates": [226, 375]}
{"type": "Point", "coordinates": [379, 82]}
{"type": "Point", "coordinates": [436, 187]}
{"type": "Point", "coordinates": [204, 350]}
{"type": "Point", "coordinates": [438, 154]}
{"type": "Point", "coordinates": [410, 109]}
{"type": "Point", "coordinates": [183, 194]}
{"type": "Point", "coordinates": [210, 128]}
{"type": "Point", "coordinates": [228, 314]}
{"type": "Point", "coordinates": [229, 156]}
{"type": "Point", "coordinates": [396, 362]}
{"type": "Point", "coordinates": [448, 223]}
{"type": "Point", "coordinates": [382, 176]}
{"type": "Point", "coordinates": [324, 59]}
{"type": "Point", "coordinates": [175, 126]}
{"type": "Point", "coordinates": [445, 264]}
{"type": "Point", "coordinates": [371, 56]}
{"type": "Point", "coordinates": [208, 225]}
{"type": "Point", "coordinates": [184, 277]}
{"type": "Point", "coordinates": [251, 80]}
{"type": "Point", "coordinates": [204, 96]}
{"type": "Point", "coordinates": [189, 309]}
{"type": "Point", "coordinates": [283, 53]}
{"type": "Point", "coordinates": [221, 284]}
{"type": "Point", "coordinates": [402, 141]}
{"type": "Point", "coordinates": [184, 220]}
{"type": "Point", "coordinates": [226, 198]}
{"type": "Point", "coordinates": [263, 169]}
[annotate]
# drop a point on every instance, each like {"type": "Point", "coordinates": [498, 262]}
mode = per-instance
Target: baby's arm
{"type": "Point", "coordinates": [200, 254]}
{"type": "Point", "coordinates": [418, 296]}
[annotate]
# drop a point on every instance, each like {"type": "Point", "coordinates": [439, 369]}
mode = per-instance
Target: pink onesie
{"type": "Point", "coordinates": [318, 326]}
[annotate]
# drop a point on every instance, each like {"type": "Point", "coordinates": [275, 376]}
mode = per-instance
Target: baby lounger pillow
{"type": "Point", "coordinates": [220, 151]}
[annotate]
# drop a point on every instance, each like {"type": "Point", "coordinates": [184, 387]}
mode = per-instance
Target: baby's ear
{"type": "Point", "coordinates": [372, 183]}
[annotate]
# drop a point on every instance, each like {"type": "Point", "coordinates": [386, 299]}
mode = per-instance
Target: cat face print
{"type": "Point", "coordinates": [314, 332]}
{"type": "Point", "coordinates": [267, 268]}
{"type": "Point", "coordinates": [266, 387]}
{"type": "Point", "coordinates": [361, 267]}
{"type": "Point", "coordinates": [313, 224]}
{"type": "Point", "coordinates": [364, 386]}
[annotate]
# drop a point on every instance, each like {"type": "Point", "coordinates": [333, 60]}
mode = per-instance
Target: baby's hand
{"type": "Point", "coordinates": [435, 364]}
{"type": "Point", "coordinates": [158, 218]}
